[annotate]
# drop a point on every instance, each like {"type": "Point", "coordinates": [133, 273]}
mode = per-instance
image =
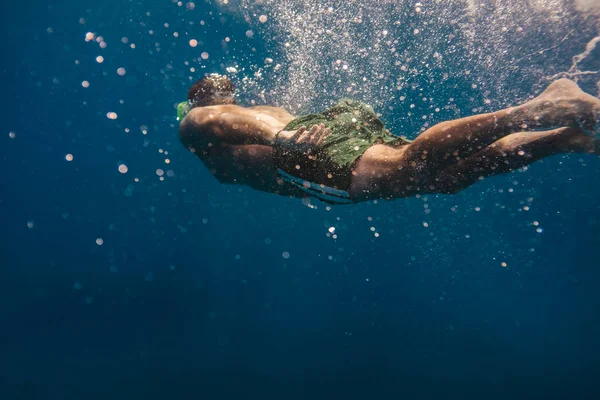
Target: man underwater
{"type": "Point", "coordinates": [346, 155]}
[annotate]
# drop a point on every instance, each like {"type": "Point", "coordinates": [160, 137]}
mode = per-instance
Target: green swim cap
{"type": "Point", "coordinates": [182, 109]}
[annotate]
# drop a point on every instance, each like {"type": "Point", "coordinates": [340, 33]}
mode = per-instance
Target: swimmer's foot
{"type": "Point", "coordinates": [563, 103]}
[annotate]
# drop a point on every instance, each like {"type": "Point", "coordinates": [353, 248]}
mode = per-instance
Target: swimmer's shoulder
{"type": "Point", "coordinates": [203, 116]}
{"type": "Point", "coordinates": [207, 122]}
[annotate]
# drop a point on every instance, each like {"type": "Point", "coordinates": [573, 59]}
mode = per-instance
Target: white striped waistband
{"type": "Point", "coordinates": [322, 192]}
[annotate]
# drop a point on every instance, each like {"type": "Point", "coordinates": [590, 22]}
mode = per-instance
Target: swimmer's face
{"type": "Point", "coordinates": [211, 90]}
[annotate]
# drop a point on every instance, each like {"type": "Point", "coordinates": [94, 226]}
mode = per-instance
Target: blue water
{"type": "Point", "coordinates": [201, 290]}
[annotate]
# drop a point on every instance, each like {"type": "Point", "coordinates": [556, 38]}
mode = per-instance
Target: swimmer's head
{"type": "Point", "coordinates": [211, 90]}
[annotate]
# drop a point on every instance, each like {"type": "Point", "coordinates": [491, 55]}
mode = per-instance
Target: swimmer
{"type": "Point", "coordinates": [346, 155]}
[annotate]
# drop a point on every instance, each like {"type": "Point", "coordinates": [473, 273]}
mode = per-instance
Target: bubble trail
{"type": "Point", "coordinates": [574, 73]}
{"type": "Point", "coordinates": [381, 51]}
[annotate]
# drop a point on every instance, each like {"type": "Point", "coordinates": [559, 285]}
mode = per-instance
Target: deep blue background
{"type": "Point", "coordinates": [190, 297]}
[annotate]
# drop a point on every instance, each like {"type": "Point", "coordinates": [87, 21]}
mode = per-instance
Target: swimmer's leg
{"type": "Point", "coordinates": [563, 103]}
{"type": "Point", "coordinates": [512, 152]}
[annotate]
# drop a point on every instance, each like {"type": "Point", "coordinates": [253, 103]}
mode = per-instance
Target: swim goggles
{"type": "Point", "coordinates": [182, 109]}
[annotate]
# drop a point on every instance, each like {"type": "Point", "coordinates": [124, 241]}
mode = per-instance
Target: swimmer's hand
{"type": "Point", "coordinates": [304, 141]}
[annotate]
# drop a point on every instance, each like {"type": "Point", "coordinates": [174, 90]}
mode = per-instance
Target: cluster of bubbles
{"type": "Point", "coordinates": [377, 50]}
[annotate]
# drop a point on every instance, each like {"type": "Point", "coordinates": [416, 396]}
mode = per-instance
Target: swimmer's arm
{"type": "Point", "coordinates": [222, 124]}
{"type": "Point", "coordinates": [245, 164]}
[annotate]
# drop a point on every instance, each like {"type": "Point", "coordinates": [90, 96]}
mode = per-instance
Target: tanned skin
{"type": "Point", "coordinates": [236, 144]}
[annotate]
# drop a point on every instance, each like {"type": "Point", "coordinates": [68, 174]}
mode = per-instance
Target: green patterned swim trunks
{"type": "Point", "coordinates": [354, 128]}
